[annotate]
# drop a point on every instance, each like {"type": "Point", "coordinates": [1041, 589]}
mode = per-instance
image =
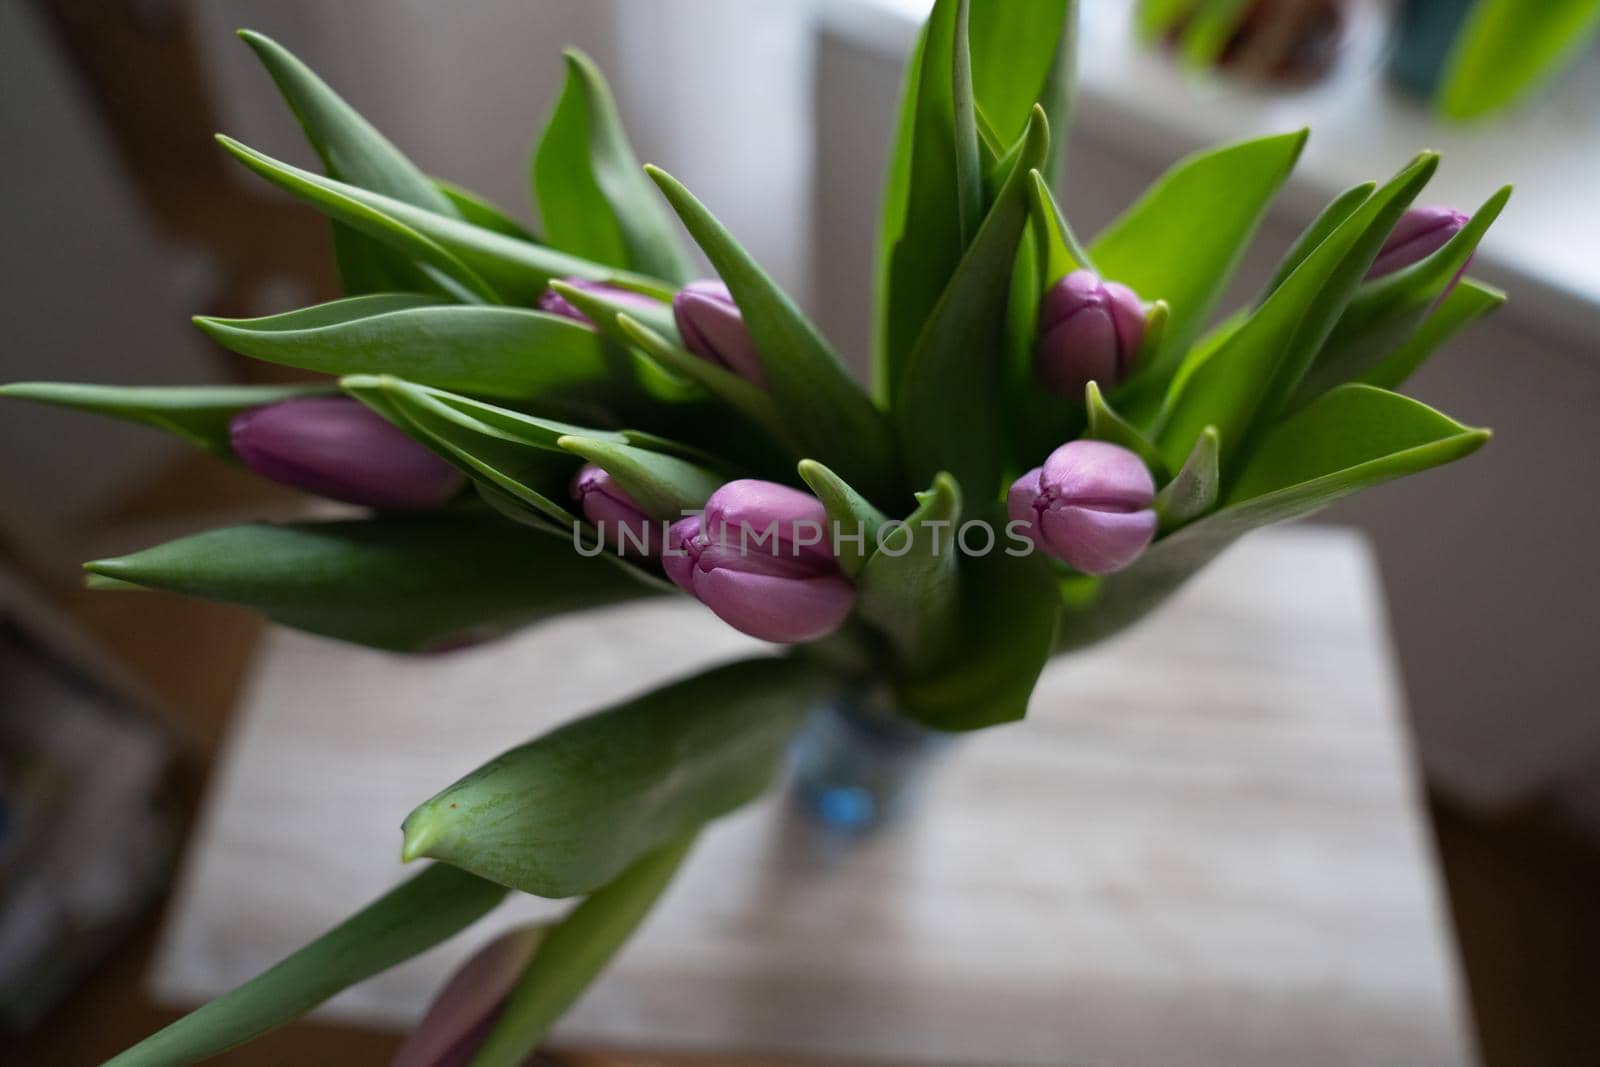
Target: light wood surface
{"type": "Point", "coordinates": [1204, 847]}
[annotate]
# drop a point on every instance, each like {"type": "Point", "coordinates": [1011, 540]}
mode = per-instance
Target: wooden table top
{"type": "Point", "coordinates": [1204, 847]}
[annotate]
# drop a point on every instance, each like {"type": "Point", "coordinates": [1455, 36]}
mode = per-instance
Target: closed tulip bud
{"type": "Point", "coordinates": [461, 1016]}
{"type": "Point", "coordinates": [713, 329]}
{"type": "Point", "coordinates": [761, 558]}
{"type": "Point", "coordinates": [1089, 505]}
{"type": "Point", "coordinates": [1420, 233]}
{"type": "Point", "coordinates": [553, 303]}
{"type": "Point", "coordinates": [621, 522]}
{"type": "Point", "coordinates": [1089, 331]}
{"type": "Point", "coordinates": [338, 448]}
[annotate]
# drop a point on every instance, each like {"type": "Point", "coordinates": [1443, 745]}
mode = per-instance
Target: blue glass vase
{"type": "Point", "coordinates": [857, 765]}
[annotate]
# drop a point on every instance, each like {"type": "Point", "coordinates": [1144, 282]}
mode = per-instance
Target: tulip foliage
{"type": "Point", "coordinates": [581, 380]}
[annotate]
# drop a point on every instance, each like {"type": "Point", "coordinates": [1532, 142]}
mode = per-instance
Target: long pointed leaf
{"type": "Point", "coordinates": [1183, 239]}
{"type": "Point", "coordinates": [593, 196]}
{"type": "Point", "coordinates": [943, 198]}
{"type": "Point", "coordinates": [523, 461]}
{"type": "Point", "coordinates": [1385, 312]}
{"type": "Point", "coordinates": [410, 919]}
{"type": "Point", "coordinates": [471, 207]}
{"type": "Point", "coordinates": [497, 268]}
{"type": "Point", "coordinates": [1329, 219]}
{"type": "Point", "coordinates": [1014, 43]}
{"type": "Point", "coordinates": [494, 351]}
{"type": "Point", "coordinates": [852, 515]}
{"type": "Point", "coordinates": [352, 150]}
{"type": "Point", "coordinates": [199, 415]}
{"type": "Point", "coordinates": [1349, 439]}
{"type": "Point", "coordinates": [1197, 487]}
{"type": "Point", "coordinates": [566, 814]}
{"type": "Point", "coordinates": [911, 588]}
{"type": "Point", "coordinates": [574, 952]}
{"type": "Point", "coordinates": [823, 409]}
{"type": "Point", "coordinates": [1468, 302]}
{"type": "Point", "coordinates": [948, 405]}
{"type": "Point", "coordinates": [362, 581]}
{"type": "Point", "coordinates": [1005, 632]}
{"type": "Point", "coordinates": [1252, 373]}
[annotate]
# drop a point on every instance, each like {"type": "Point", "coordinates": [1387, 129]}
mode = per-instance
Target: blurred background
{"type": "Point", "coordinates": [123, 219]}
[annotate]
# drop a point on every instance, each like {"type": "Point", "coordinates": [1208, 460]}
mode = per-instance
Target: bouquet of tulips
{"type": "Point", "coordinates": [1058, 435]}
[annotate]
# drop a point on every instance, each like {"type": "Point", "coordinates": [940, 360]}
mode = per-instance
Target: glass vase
{"type": "Point", "coordinates": [857, 765]}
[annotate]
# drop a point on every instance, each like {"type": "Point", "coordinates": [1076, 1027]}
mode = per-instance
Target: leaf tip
{"type": "Point", "coordinates": [420, 832]}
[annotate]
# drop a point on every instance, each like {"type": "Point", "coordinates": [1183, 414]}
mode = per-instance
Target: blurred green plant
{"type": "Point", "coordinates": [1507, 48]}
{"type": "Point", "coordinates": [1501, 52]}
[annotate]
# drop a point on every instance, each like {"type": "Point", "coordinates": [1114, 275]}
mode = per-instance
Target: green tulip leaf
{"type": "Point", "coordinates": [486, 264]}
{"type": "Point", "coordinates": [567, 813]}
{"type": "Point", "coordinates": [353, 151]}
{"type": "Point", "coordinates": [1349, 439]}
{"type": "Point", "coordinates": [892, 214]}
{"type": "Point", "coordinates": [418, 914]}
{"type": "Point", "coordinates": [1329, 219]}
{"type": "Point", "coordinates": [1057, 250]}
{"type": "Point", "coordinates": [592, 194]}
{"type": "Point", "coordinates": [362, 580]}
{"type": "Point", "coordinates": [1197, 487]}
{"type": "Point", "coordinates": [824, 411]}
{"type": "Point", "coordinates": [471, 207]}
{"type": "Point", "coordinates": [1005, 631]}
{"type": "Point", "coordinates": [996, 162]}
{"type": "Point", "coordinates": [573, 952]}
{"type": "Point", "coordinates": [516, 425]}
{"type": "Point", "coordinates": [1387, 311]}
{"type": "Point", "coordinates": [934, 203]}
{"type": "Point", "coordinates": [949, 405]}
{"type": "Point", "coordinates": [1508, 47]}
{"type": "Point", "coordinates": [199, 415]}
{"type": "Point", "coordinates": [850, 512]}
{"type": "Point", "coordinates": [1139, 400]}
{"type": "Point", "coordinates": [664, 486]}
{"type": "Point", "coordinates": [1022, 54]}
{"type": "Point", "coordinates": [751, 401]}
{"type": "Point", "coordinates": [1106, 425]}
{"type": "Point", "coordinates": [1183, 239]}
{"type": "Point", "coordinates": [1251, 374]}
{"type": "Point", "coordinates": [1039, 418]}
{"type": "Point", "coordinates": [1467, 302]}
{"type": "Point", "coordinates": [602, 310]}
{"type": "Point", "coordinates": [910, 588]}
{"type": "Point", "coordinates": [522, 459]}
{"type": "Point", "coordinates": [512, 353]}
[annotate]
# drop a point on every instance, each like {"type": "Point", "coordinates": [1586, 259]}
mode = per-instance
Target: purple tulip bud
{"type": "Point", "coordinates": [1420, 232]}
{"type": "Point", "coordinates": [713, 329]}
{"type": "Point", "coordinates": [1089, 505]}
{"type": "Point", "coordinates": [336, 447]}
{"type": "Point", "coordinates": [1089, 331]}
{"type": "Point", "coordinates": [553, 303]}
{"type": "Point", "coordinates": [761, 557]}
{"type": "Point", "coordinates": [461, 1016]}
{"type": "Point", "coordinates": [621, 521]}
